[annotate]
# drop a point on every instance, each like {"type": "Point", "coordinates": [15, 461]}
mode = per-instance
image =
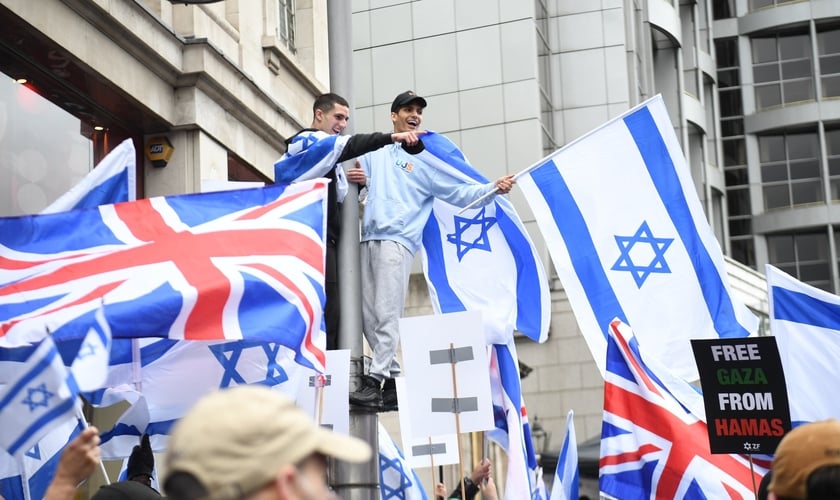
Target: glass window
{"type": "Point", "coordinates": [738, 201]}
{"type": "Point", "coordinates": [771, 148]}
{"type": "Point", "coordinates": [832, 147]}
{"type": "Point", "coordinates": [44, 150]}
{"type": "Point", "coordinates": [790, 169]}
{"type": "Point", "coordinates": [828, 46]}
{"type": "Point", "coordinates": [782, 70]}
{"type": "Point", "coordinates": [286, 22]}
{"type": "Point", "coordinates": [802, 255]}
{"type": "Point", "coordinates": [723, 9]}
{"type": "Point", "coordinates": [743, 250]}
{"type": "Point", "coordinates": [734, 152]}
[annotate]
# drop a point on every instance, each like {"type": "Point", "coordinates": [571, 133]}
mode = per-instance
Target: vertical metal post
{"type": "Point", "coordinates": [361, 481]}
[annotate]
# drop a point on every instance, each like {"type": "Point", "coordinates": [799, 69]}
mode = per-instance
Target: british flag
{"type": "Point", "coordinates": [245, 264]}
{"type": "Point", "coordinates": [654, 442]}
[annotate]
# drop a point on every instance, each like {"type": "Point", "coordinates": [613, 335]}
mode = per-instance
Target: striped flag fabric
{"type": "Point", "coordinates": [459, 249]}
{"type": "Point", "coordinates": [397, 480]}
{"type": "Point", "coordinates": [629, 239]}
{"type": "Point", "coordinates": [27, 477]}
{"type": "Point", "coordinates": [42, 396]}
{"type": "Point", "coordinates": [512, 432]}
{"type": "Point", "coordinates": [90, 366]}
{"type": "Point", "coordinates": [114, 179]}
{"type": "Point", "coordinates": [567, 477]}
{"type": "Point", "coordinates": [157, 377]}
{"type": "Point", "coordinates": [654, 439]}
{"type": "Point", "coordinates": [806, 323]}
{"type": "Point", "coordinates": [311, 154]}
{"type": "Point", "coordinates": [207, 266]}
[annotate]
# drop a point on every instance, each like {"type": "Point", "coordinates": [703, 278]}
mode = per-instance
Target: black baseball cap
{"type": "Point", "coordinates": [406, 98]}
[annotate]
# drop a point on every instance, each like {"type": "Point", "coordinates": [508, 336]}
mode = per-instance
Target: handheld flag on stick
{"type": "Point", "coordinates": [567, 476]}
{"type": "Point", "coordinates": [629, 239]}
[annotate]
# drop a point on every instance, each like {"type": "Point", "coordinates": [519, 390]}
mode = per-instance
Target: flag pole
{"type": "Point", "coordinates": [752, 475]}
{"type": "Point", "coordinates": [432, 458]}
{"type": "Point", "coordinates": [81, 417]}
{"type": "Point", "coordinates": [457, 420]}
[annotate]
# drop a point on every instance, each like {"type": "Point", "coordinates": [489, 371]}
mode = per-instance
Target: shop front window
{"type": "Point", "coordinates": [44, 150]}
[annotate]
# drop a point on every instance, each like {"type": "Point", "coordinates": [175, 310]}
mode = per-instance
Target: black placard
{"type": "Point", "coordinates": [744, 393]}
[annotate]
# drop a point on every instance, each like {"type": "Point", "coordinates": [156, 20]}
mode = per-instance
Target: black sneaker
{"type": "Point", "coordinates": [389, 395]}
{"type": "Point", "coordinates": [369, 394]}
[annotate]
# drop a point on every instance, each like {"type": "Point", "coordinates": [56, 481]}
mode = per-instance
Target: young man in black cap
{"type": "Point", "coordinates": [401, 191]}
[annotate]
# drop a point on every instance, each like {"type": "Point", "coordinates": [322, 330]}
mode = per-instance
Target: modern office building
{"type": "Point", "coordinates": [511, 80]}
{"type": "Point", "coordinates": [778, 73]}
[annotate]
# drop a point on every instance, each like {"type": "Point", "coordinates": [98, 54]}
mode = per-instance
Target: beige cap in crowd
{"type": "Point", "coordinates": [234, 441]}
{"type": "Point", "coordinates": [801, 452]}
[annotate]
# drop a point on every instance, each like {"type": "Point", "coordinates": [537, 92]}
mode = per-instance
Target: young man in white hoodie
{"type": "Point", "coordinates": [401, 191]}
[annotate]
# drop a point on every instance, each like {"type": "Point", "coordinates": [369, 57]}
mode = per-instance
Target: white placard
{"type": "Point", "coordinates": [335, 412]}
{"type": "Point", "coordinates": [424, 337]}
{"type": "Point", "coordinates": [415, 448]}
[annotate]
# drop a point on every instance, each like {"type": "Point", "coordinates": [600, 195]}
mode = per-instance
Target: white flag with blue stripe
{"type": "Point", "coordinates": [567, 477]}
{"type": "Point", "coordinates": [113, 180]}
{"type": "Point", "coordinates": [397, 480]}
{"type": "Point", "coordinates": [482, 259]}
{"type": "Point", "coordinates": [311, 154]}
{"type": "Point", "coordinates": [90, 367]}
{"type": "Point", "coordinates": [158, 377]}
{"type": "Point", "coordinates": [42, 396]}
{"type": "Point", "coordinates": [629, 239]}
{"type": "Point", "coordinates": [806, 323]}
{"type": "Point", "coordinates": [27, 477]}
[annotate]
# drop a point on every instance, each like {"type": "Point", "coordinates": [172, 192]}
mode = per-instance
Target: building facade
{"type": "Point", "coordinates": [510, 81]}
{"type": "Point", "coordinates": [225, 83]}
{"type": "Point", "coordinates": [778, 71]}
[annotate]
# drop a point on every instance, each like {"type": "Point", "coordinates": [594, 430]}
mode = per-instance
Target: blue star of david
{"type": "Point", "coordinates": [390, 490]}
{"type": "Point", "coordinates": [657, 264]}
{"type": "Point", "coordinates": [37, 396]}
{"type": "Point", "coordinates": [87, 349]}
{"type": "Point", "coordinates": [228, 355]}
{"type": "Point", "coordinates": [463, 225]}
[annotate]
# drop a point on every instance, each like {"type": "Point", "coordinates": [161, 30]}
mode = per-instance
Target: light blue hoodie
{"type": "Point", "coordinates": [401, 191]}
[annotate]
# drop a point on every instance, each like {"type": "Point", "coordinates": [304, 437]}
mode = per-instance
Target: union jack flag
{"type": "Point", "coordinates": [654, 442]}
{"type": "Point", "coordinates": [245, 264]}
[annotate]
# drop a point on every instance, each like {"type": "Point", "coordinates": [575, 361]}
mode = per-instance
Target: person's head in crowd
{"type": "Point", "coordinates": [250, 442]}
{"type": "Point", "coordinates": [330, 113]}
{"type": "Point", "coordinates": [407, 112]}
{"type": "Point", "coordinates": [126, 490]}
{"type": "Point", "coordinates": [807, 463]}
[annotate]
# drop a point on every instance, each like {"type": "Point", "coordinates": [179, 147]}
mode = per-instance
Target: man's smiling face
{"type": "Point", "coordinates": [408, 118]}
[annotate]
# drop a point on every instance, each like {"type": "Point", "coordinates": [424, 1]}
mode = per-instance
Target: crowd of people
{"type": "Point", "coordinates": [250, 442]}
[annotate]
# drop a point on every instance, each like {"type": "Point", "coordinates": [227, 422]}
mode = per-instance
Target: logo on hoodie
{"type": "Point", "coordinates": [405, 165]}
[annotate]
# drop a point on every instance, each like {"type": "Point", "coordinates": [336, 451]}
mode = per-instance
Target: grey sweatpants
{"type": "Point", "coordinates": [386, 266]}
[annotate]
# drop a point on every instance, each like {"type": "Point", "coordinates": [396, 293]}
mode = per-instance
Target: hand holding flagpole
{"type": "Point", "coordinates": [503, 186]}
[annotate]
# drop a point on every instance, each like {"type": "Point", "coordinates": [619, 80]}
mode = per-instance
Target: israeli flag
{"type": "Point", "coordinates": [567, 476]}
{"type": "Point", "coordinates": [806, 323]}
{"type": "Point", "coordinates": [482, 259]}
{"type": "Point", "coordinates": [90, 367]}
{"type": "Point", "coordinates": [158, 378]}
{"type": "Point", "coordinates": [312, 154]}
{"type": "Point", "coordinates": [113, 180]}
{"type": "Point", "coordinates": [40, 397]}
{"type": "Point", "coordinates": [27, 477]}
{"type": "Point", "coordinates": [629, 239]}
{"type": "Point", "coordinates": [512, 432]}
{"type": "Point", "coordinates": [397, 480]}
